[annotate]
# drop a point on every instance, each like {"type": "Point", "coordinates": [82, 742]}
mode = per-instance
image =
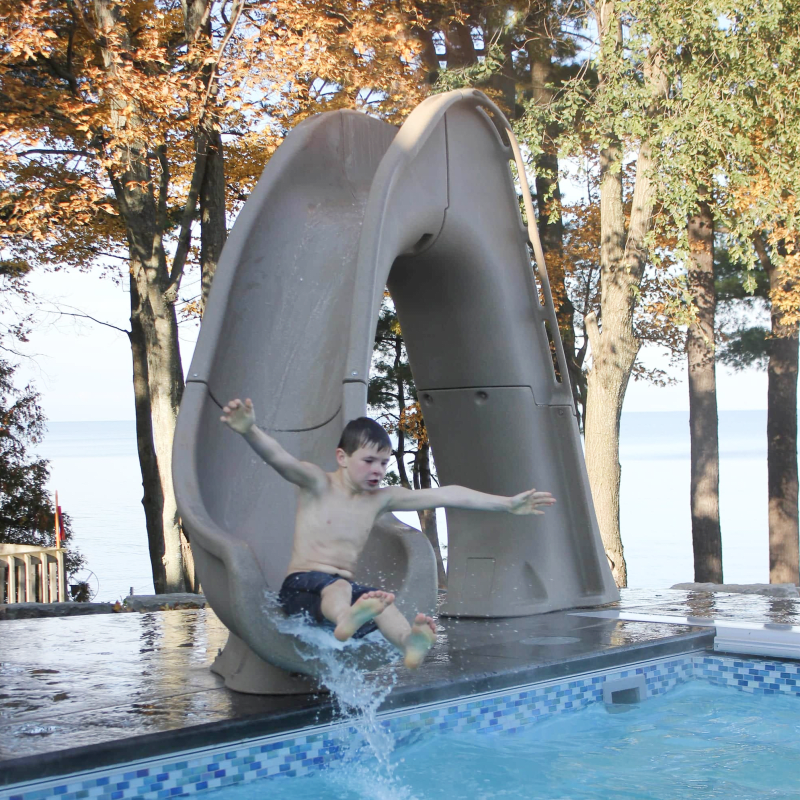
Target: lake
{"type": "Point", "coordinates": [95, 469]}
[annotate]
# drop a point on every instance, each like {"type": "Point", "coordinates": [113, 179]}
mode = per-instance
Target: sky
{"type": "Point", "coordinates": [83, 369]}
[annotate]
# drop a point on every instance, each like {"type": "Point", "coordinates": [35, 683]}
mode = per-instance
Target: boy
{"type": "Point", "coordinates": [335, 514]}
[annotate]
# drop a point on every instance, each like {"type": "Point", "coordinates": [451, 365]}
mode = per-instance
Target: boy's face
{"type": "Point", "coordinates": [366, 467]}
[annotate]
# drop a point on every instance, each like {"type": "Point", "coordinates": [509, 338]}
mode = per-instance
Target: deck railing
{"type": "Point", "coordinates": [32, 574]}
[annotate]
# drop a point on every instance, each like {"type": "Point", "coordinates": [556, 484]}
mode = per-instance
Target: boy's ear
{"type": "Point", "coordinates": [341, 457]}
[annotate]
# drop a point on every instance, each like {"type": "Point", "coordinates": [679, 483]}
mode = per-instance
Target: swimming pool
{"type": "Point", "coordinates": [518, 712]}
{"type": "Point", "coordinates": [700, 740]}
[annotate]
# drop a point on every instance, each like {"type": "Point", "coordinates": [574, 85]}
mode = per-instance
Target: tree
{"type": "Point", "coordinates": [608, 103]}
{"type": "Point", "coordinates": [782, 371]}
{"type": "Point", "coordinates": [27, 513]}
{"type": "Point", "coordinates": [688, 53]}
{"type": "Point", "coordinates": [709, 89]}
{"type": "Point", "coordinates": [659, 309]}
{"type": "Point", "coordinates": [629, 87]}
{"type": "Point", "coordinates": [775, 349]}
{"type": "Point", "coordinates": [735, 61]}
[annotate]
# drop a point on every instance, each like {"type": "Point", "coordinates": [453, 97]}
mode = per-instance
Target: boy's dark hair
{"type": "Point", "coordinates": [362, 432]}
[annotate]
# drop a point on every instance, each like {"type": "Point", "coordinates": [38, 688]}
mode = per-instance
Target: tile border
{"type": "Point", "coordinates": [752, 675]}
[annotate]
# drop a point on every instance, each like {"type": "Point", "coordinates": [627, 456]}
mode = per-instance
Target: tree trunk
{"type": "Point", "coordinates": [782, 478]}
{"type": "Point", "coordinates": [504, 82]}
{"type": "Point", "coordinates": [400, 399]}
{"type": "Point", "coordinates": [613, 355]}
{"type": "Point", "coordinates": [428, 55]}
{"type": "Point", "coordinates": [606, 392]}
{"type": "Point", "coordinates": [155, 318]}
{"type": "Point", "coordinates": [622, 263]}
{"type": "Point", "coordinates": [460, 49]}
{"type": "Point", "coordinates": [213, 225]}
{"type": "Point", "coordinates": [158, 382]}
{"type": "Point", "coordinates": [152, 498]}
{"type": "Point", "coordinates": [211, 192]}
{"type": "Point", "coordinates": [427, 518]}
{"type": "Point", "coordinates": [782, 456]}
{"type": "Point", "coordinates": [158, 375]}
{"type": "Point", "coordinates": [703, 422]}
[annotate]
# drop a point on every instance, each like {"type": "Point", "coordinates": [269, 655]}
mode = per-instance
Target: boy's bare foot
{"type": "Point", "coordinates": [421, 638]}
{"type": "Point", "coordinates": [367, 607]}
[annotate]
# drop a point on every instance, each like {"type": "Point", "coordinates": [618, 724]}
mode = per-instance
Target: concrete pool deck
{"type": "Point", "coordinates": [86, 691]}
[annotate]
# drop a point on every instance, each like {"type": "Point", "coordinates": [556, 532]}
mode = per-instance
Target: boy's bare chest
{"type": "Point", "coordinates": [338, 518]}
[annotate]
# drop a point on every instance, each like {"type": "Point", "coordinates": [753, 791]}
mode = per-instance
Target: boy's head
{"type": "Point", "coordinates": [362, 432]}
{"type": "Point", "coordinates": [363, 453]}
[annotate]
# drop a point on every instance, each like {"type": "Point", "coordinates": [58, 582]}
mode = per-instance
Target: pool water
{"type": "Point", "coordinates": [698, 741]}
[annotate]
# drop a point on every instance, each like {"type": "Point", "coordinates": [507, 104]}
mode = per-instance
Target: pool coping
{"type": "Point", "coordinates": [46, 766]}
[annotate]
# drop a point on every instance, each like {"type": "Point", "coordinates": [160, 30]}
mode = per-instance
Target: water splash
{"type": "Point", "coordinates": [366, 768]}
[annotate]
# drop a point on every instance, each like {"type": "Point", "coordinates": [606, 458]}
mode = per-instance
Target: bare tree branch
{"type": "Point", "coordinates": [98, 321]}
{"type": "Point", "coordinates": [44, 152]}
{"type": "Point", "coordinates": [237, 12]}
{"type": "Point", "coordinates": [185, 237]}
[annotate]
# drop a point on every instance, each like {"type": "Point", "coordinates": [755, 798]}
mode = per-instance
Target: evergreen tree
{"type": "Point", "coordinates": [27, 514]}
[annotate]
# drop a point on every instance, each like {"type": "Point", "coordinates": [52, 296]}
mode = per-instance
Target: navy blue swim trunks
{"type": "Point", "coordinates": [301, 594]}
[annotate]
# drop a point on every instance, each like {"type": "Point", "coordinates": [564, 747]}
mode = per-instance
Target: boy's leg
{"type": "Point", "coordinates": [414, 640]}
{"type": "Point", "coordinates": [335, 599]}
{"type": "Point", "coordinates": [335, 606]}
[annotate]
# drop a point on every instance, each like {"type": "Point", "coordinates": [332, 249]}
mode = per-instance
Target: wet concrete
{"type": "Point", "coordinates": [75, 681]}
{"type": "Point", "coordinates": [106, 683]}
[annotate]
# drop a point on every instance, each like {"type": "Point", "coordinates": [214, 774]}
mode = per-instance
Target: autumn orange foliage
{"type": "Point", "coordinates": [781, 234]}
{"type": "Point", "coordinates": [76, 94]}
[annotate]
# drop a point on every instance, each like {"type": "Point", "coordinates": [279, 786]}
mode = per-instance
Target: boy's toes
{"type": "Point", "coordinates": [422, 619]}
{"type": "Point", "coordinates": [385, 598]}
{"type": "Point", "coordinates": [421, 638]}
{"type": "Point", "coordinates": [367, 607]}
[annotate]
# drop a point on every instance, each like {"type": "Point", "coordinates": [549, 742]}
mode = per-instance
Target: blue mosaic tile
{"type": "Point", "coordinates": [755, 677]}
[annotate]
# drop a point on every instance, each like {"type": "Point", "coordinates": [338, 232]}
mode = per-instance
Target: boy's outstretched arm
{"type": "Point", "coordinates": [530, 502]}
{"type": "Point", "coordinates": [241, 417]}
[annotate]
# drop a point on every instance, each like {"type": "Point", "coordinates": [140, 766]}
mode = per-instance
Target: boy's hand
{"type": "Point", "coordinates": [239, 416]}
{"type": "Point", "coordinates": [529, 502]}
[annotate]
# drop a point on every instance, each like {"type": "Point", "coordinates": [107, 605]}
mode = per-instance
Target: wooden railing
{"type": "Point", "coordinates": [32, 574]}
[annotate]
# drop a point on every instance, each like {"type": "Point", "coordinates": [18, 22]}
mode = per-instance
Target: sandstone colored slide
{"type": "Point", "coordinates": [347, 205]}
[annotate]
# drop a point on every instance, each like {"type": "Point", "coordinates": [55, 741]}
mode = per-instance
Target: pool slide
{"type": "Point", "coordinates": [346, 206]}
